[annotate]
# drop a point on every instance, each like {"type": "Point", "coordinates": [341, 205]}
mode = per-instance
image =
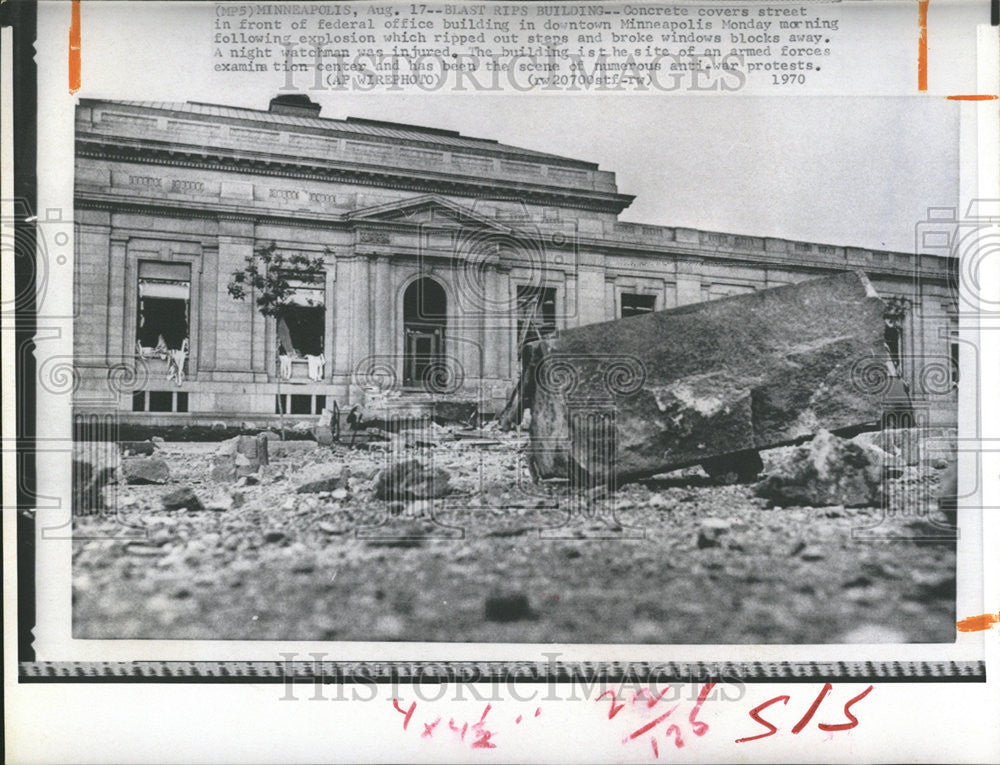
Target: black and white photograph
{"type": "Point", "coordinates": [387, 380]}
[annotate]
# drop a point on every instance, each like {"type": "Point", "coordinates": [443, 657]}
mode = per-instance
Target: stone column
{"type": "Point", "coordinates": [236, 322]}
{"type": "Point", "coordinates": [361, 319]}
{"type": "Point", "coordinates": [383, 307]}
{"type": "Point", "coordinates": [117, 280]}
{"type": "Point", "coordinates": [343, 318]}
{"type": "Point", "coordinates": [209, 287]}
{"type": "Point", "coordinates": [688, 281]}
{"type": "Point", "coordinates": [591, 296]}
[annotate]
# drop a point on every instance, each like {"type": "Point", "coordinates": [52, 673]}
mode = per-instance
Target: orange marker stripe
{"type": "Point", "coordinates": [975, 97]}
{"type": "Point", "coordinates": [978, 623]}
{"type": "Point", "coordinates": [74, 48]}
{"type": "Point", "coordinates": [922, 46]}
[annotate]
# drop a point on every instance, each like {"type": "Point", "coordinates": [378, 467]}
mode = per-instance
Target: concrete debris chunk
{"type": "Point", "coordinates": [240, 456]}
{"type": "Point", "coordinates": [711, 531]}
{"type": "Point", "coordinates": [329, 483]}
{"type": "Point", "coordinates": [138, 448]}
{"type": "Point", "coordinates": [664, 390]}
{"type": "Point", "coordinates": [826, 471]}
{"type": "Point", "coordinates": [145, 470]}
{"type": "Point", "coordinates": [183, 498]}
{"type": "Point", "coordinates": [411, 480]}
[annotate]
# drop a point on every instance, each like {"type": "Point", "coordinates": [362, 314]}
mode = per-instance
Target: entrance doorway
{"type": "Point", "coordinates": [425, 309]}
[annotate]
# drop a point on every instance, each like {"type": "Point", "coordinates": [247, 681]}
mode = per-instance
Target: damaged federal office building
{"type": "Point", "coordinates": [443, 275]}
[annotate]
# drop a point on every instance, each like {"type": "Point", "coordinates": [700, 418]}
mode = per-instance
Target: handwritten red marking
{"type": "Point", "coordinates": [922, 45]}
{"type": "Point", "coordinates": [409, 714]}
{"type": "Point", "coordinates": [973, 97]}
{"type": "Point", "coordinates": [645, 693]}
{"type": "Point", "coordinates": [74, 48]}
{"type": "Point", "coordinates": [823, 693]}
{"type": "Point", "coordinates": [650, 725]}
{"type": "Point", "coordinates": [699, 727]}
{"type": "Point", "coordinates": [847, 713]}
{"type": "Point", "coordinates": [678, 741]}
{"type": "Point", "coordinates": [518, 720]}
{"type": "Point", "coordinates": [755, 715]}
{"type": "Point", "coordinates": [656, 749]}
{"type": "Point", "coordinates": [615, 708]}
{"type": "Point", "coordinates": [464, 728]}
{"type": "Point", "coordinates": [483, 742]}
{"type": "Point", "coordinates": [977, 623]}
{"type": "Point", "coordinates": [538, 711]}
{"type": "Point", "coordinates": [429, 729]}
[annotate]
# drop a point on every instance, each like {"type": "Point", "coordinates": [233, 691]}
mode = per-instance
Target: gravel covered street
{"type": "Point", "coordinates": [680, 560]}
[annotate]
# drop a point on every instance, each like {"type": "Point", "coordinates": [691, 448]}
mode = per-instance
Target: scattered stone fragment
{"type": "Point", "coordinates": [160, 536]}
{"type": "Point", "coordinates": [508, 607]}
{"type": "Point", "coordinates": [289, 504]}
{"type": "Point", "coordinates": [812, 554]}
{"type": "Point", "coordinates": [219, 502]}
{"type": "Point", "coordinates": [145, 470]}
{"type": "Point", "coordinates": [711, 531]}
{"type": "Point", "coordinates": [826, 471]}
{"type": "Point", "coordinates": [334, 527]}
{"type": "Point", "coordinates": [244, 466]}
{"type": "Point", "coordinates": [138, 448]}
{"type": "Point", "coordinates": [330, 483]}
{"type": "Point", "coordinates": [659, 501]}
{"type": "Point", "coordinates": [223, 467]}
{"type": "Point", "coordinates": [183, 498]}
{"type": "Point", "coordinates": [411, 480]}
{"type": "Point", "coordinates": [275, 536]}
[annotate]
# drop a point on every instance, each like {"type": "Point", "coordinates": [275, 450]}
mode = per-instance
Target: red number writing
{"type": "Point", "coordinates": [808, 716]}
{"type": "Point", "coordinates": [755, 715]}
{"type": "Point", "coordinates": [847, 713]}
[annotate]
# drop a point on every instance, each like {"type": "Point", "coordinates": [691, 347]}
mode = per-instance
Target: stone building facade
{"type": "Point", "coordinates": [441, 254]}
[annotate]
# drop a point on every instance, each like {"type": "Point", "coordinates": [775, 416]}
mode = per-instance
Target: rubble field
{"type": "Point", "coordinates": [305, 548]}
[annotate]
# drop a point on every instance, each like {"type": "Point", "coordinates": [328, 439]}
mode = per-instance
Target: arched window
{"type": "Point", "coordinates": [425, 309]}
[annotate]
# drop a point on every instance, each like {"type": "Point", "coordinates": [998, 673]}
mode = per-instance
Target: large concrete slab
{"type": "Point", "coordinates": [651, 393]}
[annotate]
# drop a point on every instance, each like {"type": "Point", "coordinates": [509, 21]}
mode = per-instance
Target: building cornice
{"type": "Point", "coordinates": [93, 146]}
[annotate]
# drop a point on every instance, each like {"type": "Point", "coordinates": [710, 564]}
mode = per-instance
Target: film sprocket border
{"type": "Point", "coordinates": [384, 672]}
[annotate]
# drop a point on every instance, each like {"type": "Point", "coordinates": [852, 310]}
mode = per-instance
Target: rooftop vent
{"type": "Point", "coordinates": [294, 103]}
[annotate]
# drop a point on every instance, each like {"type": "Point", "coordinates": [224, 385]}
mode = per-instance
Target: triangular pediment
{"type": "Point", "coordinates": [429, 209]}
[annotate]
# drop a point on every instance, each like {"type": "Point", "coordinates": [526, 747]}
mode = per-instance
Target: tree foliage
{"type": "Point", "coordinates": [269, 274]}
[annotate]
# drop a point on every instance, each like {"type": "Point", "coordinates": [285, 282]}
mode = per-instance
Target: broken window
{"type": "Point", "coordinates": [425, 311]}
{"type": "Point", "coordinates": [536, 314]}
{"type": "Point", "coordinates": [163, 316]}
{"type": "Point", "coordinates": [302, 324]}
{"type": "Point", "coordinates": [895, 313]}
{"type": "Point", "coordinates": [634, 305]}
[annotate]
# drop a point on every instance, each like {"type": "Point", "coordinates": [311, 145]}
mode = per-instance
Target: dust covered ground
{"type": "Point", "coordinates": [680, 559]}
